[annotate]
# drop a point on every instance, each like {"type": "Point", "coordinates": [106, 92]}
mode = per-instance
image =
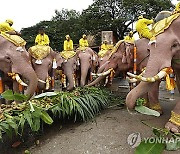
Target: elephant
{"type": "Point", "coordinates": [164, 53]}
{"type": "Point", "coordinates": [88, 62]}
{"type": "Point", "coordinates": [116, 62]}
{"type": "Point", "coordinates": [69, 68]}
{"type": "Point", "coordinates": [15, 61]}
{"type": "Point", "coordinates": [123, 64]}
{"type": "Point", "coordinates": [44, 68]}
{"type": "Point", "coordinates": [104, 59]}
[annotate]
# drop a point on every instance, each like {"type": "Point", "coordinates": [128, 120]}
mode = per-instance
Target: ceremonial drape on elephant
{"type": "Point", "coordinates": [15, 39]}
{"type": "Point", "coordinates": [39, 52]}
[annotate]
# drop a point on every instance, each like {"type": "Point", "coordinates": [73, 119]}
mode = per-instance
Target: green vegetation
{"type": "Point", "coordinates": [162, 140]}
{"type": "Point", "coordinates": [80, 104]}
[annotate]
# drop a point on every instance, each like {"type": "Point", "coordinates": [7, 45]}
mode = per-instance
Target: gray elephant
{"type": "Point", "coordinates": [164, 53]}
{"type": "Point", "coordinates": [15, 62]}
{"type": "Point", "coordinates": [88, 62]}
{"type": "Point", "coordinates": [69, 68]}
{"type": "Point", "coordinates": [122, 60]}
{"type": "Point", "coordinates": [45, 61]}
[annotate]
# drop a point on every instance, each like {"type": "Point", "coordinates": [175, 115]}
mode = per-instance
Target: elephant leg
{"type": "Point", "coordinates": [2, 100]}
{"type": "Point", "coordinates": [174, 122]}
{"type": "Point", "coordinates": [153, 96]}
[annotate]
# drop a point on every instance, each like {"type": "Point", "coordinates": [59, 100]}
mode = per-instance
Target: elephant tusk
{"type": "Point", "coordinates": [18, 79]}
{"type": "Point", "coordinates": [93, 74]}
{"type": "Point", "coordinates": [104, 73]}
{"type": "Point", "coordinates": [159, 76]}
{"type": "Point", "coordinates": [41, 81]}
{"type": "Point", "coordinates": [133, 80]}
{"type": "Point", "coordinates": [47, 83]}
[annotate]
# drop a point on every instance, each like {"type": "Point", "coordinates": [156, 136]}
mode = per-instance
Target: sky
{"type": "Point", "coordinates": [26, 13]}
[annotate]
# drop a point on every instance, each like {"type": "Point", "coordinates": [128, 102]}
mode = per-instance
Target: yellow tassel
{"type": "Point", "coordinates": [1, 86]}
{"type": "Point", "coordinates": [20, 88]}
{"type": "Point", "coordinates": [170, 82]}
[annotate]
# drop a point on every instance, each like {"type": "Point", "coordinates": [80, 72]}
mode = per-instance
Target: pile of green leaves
{"type": "Point", "coordinates": [163, 140]}
{"type": "Point", "coordinates": [80, 104]}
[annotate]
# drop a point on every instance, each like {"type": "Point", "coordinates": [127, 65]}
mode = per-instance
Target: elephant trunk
{"type": "Point", "coordinates": [137, 92]}
{"type": "Point", "coordinates": [42, 74]}
{"type": "Point", "coordinates": [96, 81]}
{"type": "Point", "coordinates": [101, 76]}
{"type": "Point", "coordinates": [84, 73]}
{"type": "Point", "coordinates": [103, 67]}
{"type": "Point", "coordinates": [156, 62]}
{"type": "Point", "coordinates": [70, 80]}
{"type": "Point", "coordinates": [31, 76]}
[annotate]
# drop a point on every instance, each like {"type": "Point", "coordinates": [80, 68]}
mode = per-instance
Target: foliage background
{"type": "Point", "coordinates": [113, 15]}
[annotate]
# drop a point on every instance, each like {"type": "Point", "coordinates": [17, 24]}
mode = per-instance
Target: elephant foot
{"type": "Point", "coordinates": [174, 123]}
{"type": "Point", "coordinates": [156, 107]}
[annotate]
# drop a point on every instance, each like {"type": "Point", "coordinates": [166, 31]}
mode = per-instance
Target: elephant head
{"type": "Point", "coordinates": [162, 55]}
{"type": "Point", "coordinates": [88, 62]}
{"type": "Point", "coordinates": [45, 68]}
{"type": "Point", "coordinates": [104, 59]}
{"type": "Point", "coordinates": [115, 62]}
{"type": "Point", "coordinates": [69, 67]}
{"type": "Point", "coordinates": [122, 59]}
{"type": "Point", "coordinates": [16, 60]}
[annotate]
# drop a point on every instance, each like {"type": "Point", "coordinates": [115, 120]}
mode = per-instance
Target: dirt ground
{"type": "Point", "coordinates": [107, 134]}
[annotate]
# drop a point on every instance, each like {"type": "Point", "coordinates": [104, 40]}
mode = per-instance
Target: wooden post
{"type": "Point", "coordinates": [1, 85]}
{"type": "Point", "coordinates": [53, 80]}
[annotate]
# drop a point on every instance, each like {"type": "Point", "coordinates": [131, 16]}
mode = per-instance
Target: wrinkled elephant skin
{"type": "Point", "coordinates": [45, 69]}
{"type": "Point", "coordinates": [17, 62]}
{"type": "Point", "coordinates": [161, 56]}
{"type": "Point", "coordinates": [69, 68]}
{"type": "Point", "coordinates": [88, 62]}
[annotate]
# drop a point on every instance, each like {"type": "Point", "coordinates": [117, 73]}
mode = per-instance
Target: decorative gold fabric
{"type": "Point", "coordinates": [82, 48]}
{"type": "Point", "coordinates": [156, 106]}
{"type": "Point", "coordinates": [15, 39]}
{"type": "Point", "coordinates": [102, 53]}
{"type": "Point", "coordinates": [115, 48]}
{"type": "Point", "coordinates": [170, 82]}
{"type": "Point", "coordinates": [67, 54]}
{"type": "Point", "coordinates": [164, 24]}
{"type": "Point", "coordinates": [175, 118]}
{"type": "Point", "coordinates": [39, 52]}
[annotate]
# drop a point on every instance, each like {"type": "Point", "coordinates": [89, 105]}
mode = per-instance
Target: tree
{"type": "Point", "coordinates": [117, 15]}
{"type": "Point", "coordinates": [113, 15]}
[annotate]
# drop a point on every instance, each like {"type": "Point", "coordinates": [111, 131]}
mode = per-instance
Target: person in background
{"type": "Point", "coordinates": [105, 45]}
{"type": "Point", "coordinates": [177, 8]}
{"type": "Point", "coordinates": [83, 42]}
{"type": "Point", "coordinates": [142, 27]}
{"type": "Point", "coordinates": [6, 27]}
{"type": "Point", "coordinates": [42, 38]}
{"type": "Point", "coordinates": [129, 37]}
{"type": "Point", "coordinates": [68, 44]}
